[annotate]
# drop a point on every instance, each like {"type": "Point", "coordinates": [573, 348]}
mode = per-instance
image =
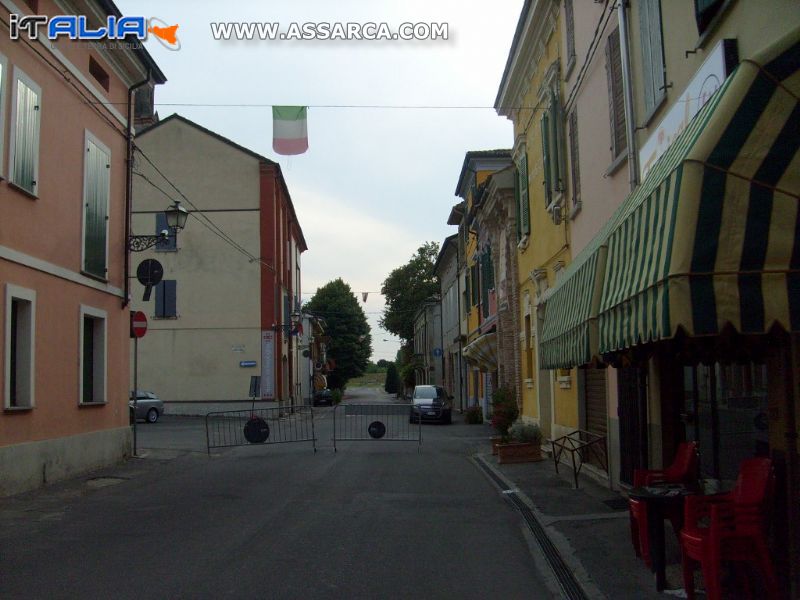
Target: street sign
{"type": "Point", "coordinates": [149, 273]}
{"type": "Point", "coordinates": [247, 363]}
{"type": "Point", "coordinates": [437, 352]}
{"type": "Point", "coordinates": [138, 324]}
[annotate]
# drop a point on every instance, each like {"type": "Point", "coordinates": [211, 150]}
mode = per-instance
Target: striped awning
{"type": "Point", "coordinates": [710, 238]}
{"type": "Point", "coordinates": [483, 352]}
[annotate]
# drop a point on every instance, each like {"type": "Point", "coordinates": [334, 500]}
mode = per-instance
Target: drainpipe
{"type": "Point", "coordinates": [129, 188]}
{"type": "Point", "coordinates": [630, 124]}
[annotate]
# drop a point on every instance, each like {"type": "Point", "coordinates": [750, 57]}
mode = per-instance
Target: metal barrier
{"type": "Point", "coordinates": [375, 422]}
{"type": "Point", "coordinates": [229, 428]}
{"type": "Point", "coordinates": [582, 445]}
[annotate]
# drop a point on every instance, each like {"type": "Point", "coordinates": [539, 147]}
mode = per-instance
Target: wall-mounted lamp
{"type": "Point", "coordinates": [176, 220]}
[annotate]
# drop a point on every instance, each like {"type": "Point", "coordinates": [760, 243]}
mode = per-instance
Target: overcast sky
{"type": "Point", "coordinates": [375, 183]}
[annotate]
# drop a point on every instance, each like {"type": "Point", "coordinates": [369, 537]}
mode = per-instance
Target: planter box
{"type": "Point", "coordinates": [518, 452]}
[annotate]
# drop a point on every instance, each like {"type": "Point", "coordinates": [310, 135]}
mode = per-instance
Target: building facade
{"type": "Point", "coordinates": [63, 251]}
{"type": "Point", "coordinates": [428, 353]}
{"type": "Point", "coordinates": [228, 306]}
{"type": "Point", "coordinates": [446, 268]}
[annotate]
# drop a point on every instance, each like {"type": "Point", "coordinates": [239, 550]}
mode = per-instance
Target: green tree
{"type": "Point", "coordinates": [350, 343]}
{"type": "Point", "coordinates": [383, 363]}
{"type": "Point", "coordinates": [392, 380]}
{"type": "Point", "coordinates": [406, 289]}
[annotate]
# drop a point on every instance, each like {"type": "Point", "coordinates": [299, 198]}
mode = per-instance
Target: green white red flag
{"type": "Point", "coordinates": [290, 129]}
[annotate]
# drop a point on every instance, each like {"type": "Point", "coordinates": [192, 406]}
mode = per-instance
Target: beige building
{"type": "Point", "coordinates": [231, 283]}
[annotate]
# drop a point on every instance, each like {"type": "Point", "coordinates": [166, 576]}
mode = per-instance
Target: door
{"type": "Point", "coordinates": [595, 407]}
{"type": "Point", "coordinates": [632, 414]}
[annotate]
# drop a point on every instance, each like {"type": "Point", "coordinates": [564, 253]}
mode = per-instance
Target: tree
{"type": "Point", "coordinates": [350, 344]}
{"type": "Point", "coordinates": [383, 363]}
{"type": "Point", "coordinates": [392, 380]}
{"type": "Point", "coordinates": [406, 289]}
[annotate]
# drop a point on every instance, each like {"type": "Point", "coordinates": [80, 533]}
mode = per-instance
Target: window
{"type": "Point", "coordinates": [3, 78]}
{"type": "Point", "coordinates": [93, 356]}
{"type": "Point", "coordinates": [705, 11]}
{"type": "Point", "coordinates": [23, 163]}
{"type": "Point", "coordinates": [487, 279]}
{"type": "Point", "coordinates": [552, 135]}
{"type": "Point", "coordinates": [521, 193]}
{"type": "Point", "coordinates": [528, 347]}
{"type": "Point", "coordinates": [569, 18]}
{"type": "Point", "coordinates": [20, 330]}
{"type": "Point", "coordinates": [171, 243]}
{"type": "Point", "coordinates": [652, 53]}
{"type": "Point", "coordinates": [574, 159]}
{"type": "Point", "coordinates": [616, 96]}
{"type": "Point", "coordinates": [166, 299]}
{"type": "Point", "coordinates": [475, 282]}
{"type": "Point", "coordinates": [96, 181]}
{"type": "Point", "coordinates": [96, 71]}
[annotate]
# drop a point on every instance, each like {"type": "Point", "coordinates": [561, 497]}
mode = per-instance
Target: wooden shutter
{"type": "Point", "coordinates": [556, 143]}
{"type": "Point", "coordinates": [652, 52]}
{"type": "Point", "coordinates": [96, 193]}
{"type": "Point", "coordinates": [517, 186]}
{"type": "Point", "coordinates": [485, 284]}
{"type": "Point", "coordinates": [525, 211]}
{"type": "Point", "coordinates": [574, 158]}
{"type": "Point", "coordinates": [24, 170]}
{"type": "Point", "coordinates": [166, 298]}
{"type": "Point", "coordinates": [569, 16]}
{"type": "Point", "coordinates": [595, 406]}
{"type": "Point", "coordinates": [548, 183]}
{"type": "Point", "coordinates": [616, 96]}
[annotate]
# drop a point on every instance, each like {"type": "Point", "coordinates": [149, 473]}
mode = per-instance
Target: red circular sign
{"type": "Point", "coordinates": [138, 324]}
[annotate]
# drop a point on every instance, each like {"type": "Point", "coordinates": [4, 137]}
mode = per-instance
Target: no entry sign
{"type": "Point", "coordinates": [138, 324]}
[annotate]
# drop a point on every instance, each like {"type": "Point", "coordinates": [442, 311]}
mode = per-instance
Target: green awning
{"type": "Point", "coordinates": [710, 237]}
{"type": "Point", "coordinates": [482, 352]}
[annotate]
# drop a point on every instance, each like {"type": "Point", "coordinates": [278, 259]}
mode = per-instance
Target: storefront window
{"type": "Point", "coordinates": [726, 409]}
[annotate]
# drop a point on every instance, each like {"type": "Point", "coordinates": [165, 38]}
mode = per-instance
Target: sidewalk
{"type": "Point", "coordinates": [589, 528]}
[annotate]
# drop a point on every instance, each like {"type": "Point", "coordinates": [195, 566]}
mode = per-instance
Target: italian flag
{"type": "Point", "coordinates": [289, 129]}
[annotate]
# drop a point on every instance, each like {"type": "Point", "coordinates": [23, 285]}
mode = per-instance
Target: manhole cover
{"type": "Point", "coordinates": [617, 503]}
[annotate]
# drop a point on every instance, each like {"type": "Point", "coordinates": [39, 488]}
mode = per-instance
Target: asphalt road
{"type": "Point", "coordinates": [377, 519]}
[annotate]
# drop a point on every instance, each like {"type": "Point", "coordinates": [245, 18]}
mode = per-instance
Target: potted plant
{"type": "Point", "coordinates": [504, 413]}
{"type": "Point", "coordinates": [474, 415]}
{"type": "Point", "coordinates": [525, 444]}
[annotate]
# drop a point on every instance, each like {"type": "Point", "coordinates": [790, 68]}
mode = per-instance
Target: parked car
{"type": "Point", "coordinates": [323, 397]}
{"type": "Point", "coordinates": [149, 407]}
{"type": "Point", "coordinates": [431, 403]}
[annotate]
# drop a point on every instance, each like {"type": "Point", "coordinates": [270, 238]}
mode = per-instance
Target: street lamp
{"type": "Point", "coordinates": [176, 220]}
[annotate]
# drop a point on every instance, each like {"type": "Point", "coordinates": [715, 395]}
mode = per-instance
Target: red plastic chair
{"type": "Point", "coordinates": [682, 470]}
{"type": "Point", "coordinates": [730, 527]}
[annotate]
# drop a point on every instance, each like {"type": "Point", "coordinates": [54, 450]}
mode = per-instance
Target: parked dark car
{"type": "Point", "coordinates": [323, 398]}
{"type": "Point", "coordinates": [149, 407]}
{"type": "Point", "coordinates": [431, 403]}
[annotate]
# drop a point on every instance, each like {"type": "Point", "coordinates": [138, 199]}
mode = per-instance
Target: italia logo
{"type": "Point", "coordinates": [76, 27]}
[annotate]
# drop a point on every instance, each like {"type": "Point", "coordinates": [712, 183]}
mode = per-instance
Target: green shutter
{"type": "Point", "coordinates": [548, 183]}
{"type": "Point", "coordinates": [525, 211]}
{"type": "Point", "coordinates": [556, 134]}
{"type": "Point", "coordinates": [517, 186]}
{"type": "Point", "coordinates": [652, 52]}
{"type": "Point", "coordinates": [96, 209]}
{"type": "Point", "coordinates": [485, 259]}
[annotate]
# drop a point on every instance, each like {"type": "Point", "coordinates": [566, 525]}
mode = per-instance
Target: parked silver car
{"type": "Point", "coordinates": [148, 406]}
{"type": "Point", "coordinates": [431, 403]}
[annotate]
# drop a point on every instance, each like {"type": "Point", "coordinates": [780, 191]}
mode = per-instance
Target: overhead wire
{"type": "Point", "coordinates": [599, 30]}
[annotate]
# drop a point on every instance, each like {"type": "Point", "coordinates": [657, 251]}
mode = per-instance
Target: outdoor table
{"type": "Point", "coordinates": [659, 498]}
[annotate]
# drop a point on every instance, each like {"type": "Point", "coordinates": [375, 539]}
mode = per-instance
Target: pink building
{"type": "Point", "coordinates": [64, 215]}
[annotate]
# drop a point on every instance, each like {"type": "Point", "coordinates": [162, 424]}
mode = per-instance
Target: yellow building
{"type": "Point", "coordinates": [531, 96]}
{"type": "Point", "coordinates": [481, 373]}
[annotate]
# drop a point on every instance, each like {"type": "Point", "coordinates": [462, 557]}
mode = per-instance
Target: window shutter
{"type": "Point", "coordinates": [569, 16]}
{"type": "Point", "coordinates": [26, 138]}
{"type": "Point", "coordinates": [574, 158]}
{"type": "Point", "coordinates": [485, 284]}
{"type": "Point", "coordinates": [467, 292]}
{"type": "Point", "coordinates": [166, 298]}
{"type": "Point", "coordinates": [287, 318]}
{"type": "Point", "coordinates": [616, 98]}
{"type": "Point", "coordinates": [545, 123]}
{"type": "Point", "coordinates": [525, 210]}
{"type": "Point", "coordinates": [516, 203]}
{"type": "Point", "coordinates": [556, 144]}
{"type": "Point", "coordinates": [170, 298]}
{"type": "Point", "coordinates": [652, 52]}
{"type": "Point", "coordinates": [96, 209]}
{"type": "Point", "coordinates": [171, 243]}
